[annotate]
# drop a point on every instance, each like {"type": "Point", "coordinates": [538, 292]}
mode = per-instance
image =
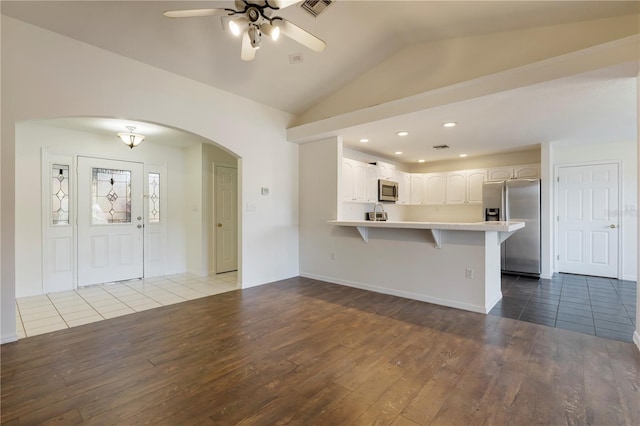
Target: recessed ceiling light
{"type": "Point", "coordinates": [450, 124]}
{"type": "Point", "coordinates": [463, 155]}
{"type": "Point", "coordinates": [398, 152]}
{"type": "Point", "coordinates": [402, 133]}
{"type": "Point", "coordinates": [420, 161]}
{"type": "Point", "coordinates": [364, 140]}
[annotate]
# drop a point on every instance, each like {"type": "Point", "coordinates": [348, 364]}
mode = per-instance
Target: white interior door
{"type": "Point", "coordinates": [588, 220]}
{"type": "Point", "coordinates": [110, 220]}
{"type": "Point", "coordinates": [226, 211]}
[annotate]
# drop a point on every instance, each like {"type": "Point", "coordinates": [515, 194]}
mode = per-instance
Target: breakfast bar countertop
{"type": "Point", "coordinates": [499, 226]}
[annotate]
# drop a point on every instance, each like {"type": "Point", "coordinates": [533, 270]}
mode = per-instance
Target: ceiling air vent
{"type": "Point", "coordinates": [315, 7]}
{"type": "Point", "coordinates": [441, 147]}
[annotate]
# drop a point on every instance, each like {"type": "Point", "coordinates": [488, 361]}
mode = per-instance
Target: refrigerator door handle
{"type": "Point", "coordinates": [505, 204]}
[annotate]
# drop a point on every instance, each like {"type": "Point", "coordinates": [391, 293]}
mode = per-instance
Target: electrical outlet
{"type": "Point", "coordinates": [469, 273]}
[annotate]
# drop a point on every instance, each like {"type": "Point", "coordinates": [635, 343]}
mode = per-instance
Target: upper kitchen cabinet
{"type": "Point", "coordinates": [456, 192]}
{"type": "Point", "coordinates": [359, 181]}
{"type": "Point", "coordinates": [404, 187]}
{"type": "Point", "coordinates": [465, 186]}
{"type": "Point", "coordinates": [475, 180]}
{"type": "Point", "coordinates": [371, 184]}
{"type": "Point", "coordinates": [353, 180]}
{"type": "Point", "coordinates": [417, 188]}
{"type": "Point", "coordinates": [386, 171]}
{"type": "Point", "coordinates": [529, 171]}
{"type": "Point", "coordinates": [435, 188]}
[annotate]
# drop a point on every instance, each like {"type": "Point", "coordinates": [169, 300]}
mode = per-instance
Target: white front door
{"type": "Point", "coordinates": [588, 220]}
{"type": "Point", "coordinates": [110, 220]}
{"type": "Point", "coordinates": [226, 209]}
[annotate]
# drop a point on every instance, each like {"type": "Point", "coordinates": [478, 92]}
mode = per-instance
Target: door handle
{"type": "Point", "coordinates": [219, 225]}
{"type": "Point", "coordinates": [139, 217]}
{"type": "Point", "coordinates": [139, 226]}
{"type": "Point", "coordinates": [612, 226]}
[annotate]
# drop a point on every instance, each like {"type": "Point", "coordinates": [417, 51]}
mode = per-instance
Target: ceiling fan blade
{"type": "Point", "coordinates": [197, 12]}
{"type": "Point", "coordinates": [296, 33]}
{"type": "Point", "coordinates": [281, 4]}
{"type": "Point", "coordinates": [248, 52]}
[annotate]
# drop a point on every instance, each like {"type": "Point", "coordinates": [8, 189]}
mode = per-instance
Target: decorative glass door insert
{"type": "Point", "coordinates": [111, 196]}
{"type": "Point", "coordinates": [154, 197]}
{"type": "Point", "coordinates": [60, 194]}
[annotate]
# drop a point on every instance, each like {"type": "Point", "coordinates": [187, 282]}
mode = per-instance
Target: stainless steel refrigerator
{"type": "Point", "coordinates": [516, 200]}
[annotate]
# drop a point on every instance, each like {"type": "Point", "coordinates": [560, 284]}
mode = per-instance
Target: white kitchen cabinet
{"type": "Point", "coordinates": [371, 185]}
{"type": "Point", "coordinates": [500, 173]}
{"type": "Point", "coordinates": [465, 186]}
{"type": "Point", "coordinates": [386, 171]}
{"type": "Point", "coordinates": [475, 180]}
{"type": "Point", "coordinates": [404, 187]}
{"type": "Point", "coordinates": [353, 180]}
{"type": "Point", "coordinates": [456, 187]}
{"type": "Point", "coordinates": [417, 188]}
{"type": "Point", "coordinates": [435, 185]}
{"type": "Point", "coordinates": [527, 171]}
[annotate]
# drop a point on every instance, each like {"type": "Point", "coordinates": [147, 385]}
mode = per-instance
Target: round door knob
{"type": "Point", "coordinates": [139, 218]}
{"type": "Point", "coordinates": [612, 226]}
{"type": "Point", "coordinates": [219, 225]}
{"type": "Point", "coordinates": [139, 226]}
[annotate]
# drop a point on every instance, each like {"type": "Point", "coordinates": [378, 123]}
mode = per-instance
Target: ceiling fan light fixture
{"type": "Point", "coordinates": [234, 28]}
{"type": "Point", "coordinates": [131, 139]}
{"type": "Point", "coordinates": [270, 30]}
{"type": "Point", "coordinates": [255, 36]}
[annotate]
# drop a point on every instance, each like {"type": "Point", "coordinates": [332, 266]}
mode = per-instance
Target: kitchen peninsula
{"type": "Point", "coordinates": [460, 262]}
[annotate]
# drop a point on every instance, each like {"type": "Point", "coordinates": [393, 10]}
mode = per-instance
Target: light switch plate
{"type": "Point", "coordinates": [264, 190]}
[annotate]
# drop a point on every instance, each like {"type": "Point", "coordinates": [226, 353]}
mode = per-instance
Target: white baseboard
{"type": "Point", "coordinates": [636, 339]}
{"type": "Point", "coordinates": [8, 338]}
{"type": "Point", "coordinates": [630, 278]}
{"type": "Point", "coordinates": [400, 293]}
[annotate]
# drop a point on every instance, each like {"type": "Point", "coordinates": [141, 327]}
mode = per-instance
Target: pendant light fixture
{"type": "Point", "coordinates": [131, 139]}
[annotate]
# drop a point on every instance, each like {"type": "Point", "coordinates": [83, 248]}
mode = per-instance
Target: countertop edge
{"type": "Point", "coordinates": [451, 226]}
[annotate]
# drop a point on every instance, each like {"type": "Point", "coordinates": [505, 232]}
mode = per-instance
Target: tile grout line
{"type": "Point", "coordinates": [56, 308]}
{"type": "Point", "coordinates": [85, 301]}
{"type": "Point", "coordinates": [21, 321]}
{"type": "Point", "coordinates": [151, 298]}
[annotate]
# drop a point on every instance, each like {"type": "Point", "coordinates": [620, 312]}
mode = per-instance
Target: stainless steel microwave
{"type": "Point", "coordinates": [387, 190]}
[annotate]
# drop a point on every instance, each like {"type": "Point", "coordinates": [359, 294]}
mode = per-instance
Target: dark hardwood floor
{"type": "Point", "coordinates": [305, 352]}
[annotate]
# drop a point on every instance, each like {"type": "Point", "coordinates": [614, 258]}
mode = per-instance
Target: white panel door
{"type": "Point", "coordinates": [110, 220]}
{"type": "Point", "coordinates": [226, 209]}
{"type": "Point", "coordinates": [588, 220]}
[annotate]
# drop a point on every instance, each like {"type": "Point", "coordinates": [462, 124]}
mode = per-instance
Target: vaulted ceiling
{"type": "Point", "coordinates": [361, 35]}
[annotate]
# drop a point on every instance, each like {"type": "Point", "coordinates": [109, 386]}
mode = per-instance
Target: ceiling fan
{"type": "Point", "coordinates": [252, 19]}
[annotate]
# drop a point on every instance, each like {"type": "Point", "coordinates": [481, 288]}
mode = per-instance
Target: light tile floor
{"type": "Point", "coordinates": [55, 311]}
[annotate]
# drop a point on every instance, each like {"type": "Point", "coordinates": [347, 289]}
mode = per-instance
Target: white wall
{"type": "Point", "coordinates": [47, 75]}
{"type": "Point", "coordinates": [196, 262]}
{"type": "Point", "coordinates": [567, 153]}
{"type": "Point", "coordinates": [31, 138]}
